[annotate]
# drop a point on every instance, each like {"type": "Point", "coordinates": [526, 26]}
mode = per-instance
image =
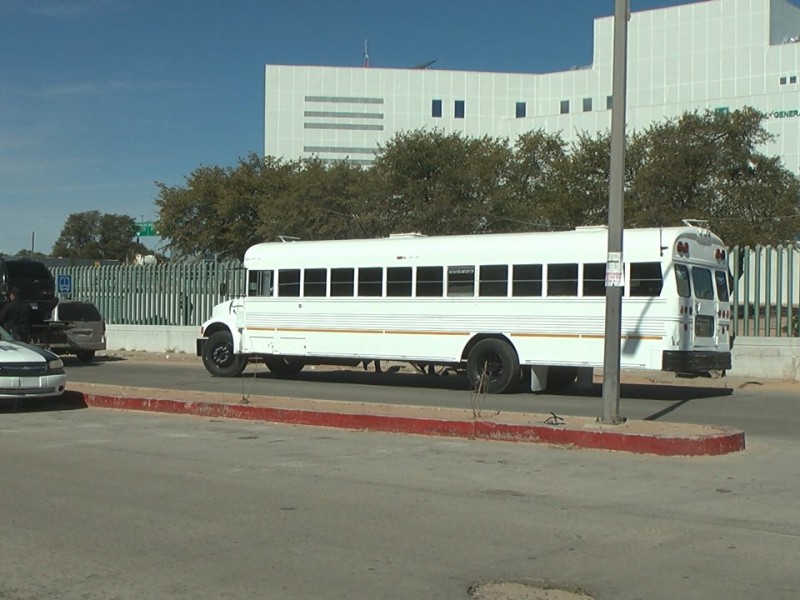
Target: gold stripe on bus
{"type": "Point", "coordinates": [456, 333]}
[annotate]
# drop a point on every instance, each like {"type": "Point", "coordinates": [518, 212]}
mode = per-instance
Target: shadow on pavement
{"type": "Point", "coordinates": [67, 401]}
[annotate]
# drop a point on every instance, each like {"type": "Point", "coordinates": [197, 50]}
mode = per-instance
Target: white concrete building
{"type": "Point", "coordinates": [712, 54]}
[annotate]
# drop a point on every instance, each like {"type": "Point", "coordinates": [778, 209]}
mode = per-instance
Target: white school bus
{"type": "Point", "coordinates": [498, 306]}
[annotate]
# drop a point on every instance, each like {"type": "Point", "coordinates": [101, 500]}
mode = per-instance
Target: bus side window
{"type": "Point", "coordinates": [527, 280]}
{"type": "Point", "coordinates": [682, 281]}
{"type": "Point", "coordinates": [493, 280]}
{"type": "Point", "coordinates": [703, 287]}
{"type": "Point", "coordinates": [315, 282]}
{"type": "Point", "coordinates": [370, 281]}
{"type": "Point", "coordinates": [562, 279]}
{"type": "Point", "coordinates": [461, 281]}
{"type": "Point", "coordinates": [259, 283]}
{"type": "Point", "coordinates": [723, 293]}
{"type": "Point", "coordinates": [398, 281]}
{"type": "Point", "coordinates": [342, 282]}
{"type": "Point", "coordinates": [289, 283]}
{"type": "Point", "coordinates": [430, 282]}
{"type": "Point", "coordinates": [594, 279]}
{"type": "Point", "coordinates": [646, 279]}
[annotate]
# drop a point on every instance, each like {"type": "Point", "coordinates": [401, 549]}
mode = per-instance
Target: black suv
{"type": "Point", "coordinates": [35, 282]}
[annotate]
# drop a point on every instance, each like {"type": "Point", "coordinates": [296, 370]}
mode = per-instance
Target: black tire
{"type": "Point", "coordinates": [559, 378]}
{"type": "Point", "coordinates": [501, 363]}
{"type": "Point", "coordinates": [85, 355]}
{"type": "Point", "coordinates": [282, 366]}
{"type": "Point", "coordinates": [219, 357]}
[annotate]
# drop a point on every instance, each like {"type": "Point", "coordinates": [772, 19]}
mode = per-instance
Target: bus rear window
{"type": "Point", "coordinates": [721, 279]}
{"type": "Point", "coordinates": [682, 281]}
{"type": "Point", "coordinates": [703, 287]}
{"type": "Point", "coordinates": [646, 279]}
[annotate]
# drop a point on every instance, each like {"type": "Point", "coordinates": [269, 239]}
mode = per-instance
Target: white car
{"type": "Point", "coordinates": [27, 371]}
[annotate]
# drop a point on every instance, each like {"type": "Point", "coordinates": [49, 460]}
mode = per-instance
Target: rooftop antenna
{"type": "Point", "coordinates": [366, 54]}
{"type": "Point", "coordinates": [425, 65]}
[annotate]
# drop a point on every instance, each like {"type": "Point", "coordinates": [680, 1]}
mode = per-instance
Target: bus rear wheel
{"type": "Point", "coordinates": [283, 367]}
{"type": "Point", "coordinates": [496, 362]}
{"type": "Point", "coordinates": [219, 357]}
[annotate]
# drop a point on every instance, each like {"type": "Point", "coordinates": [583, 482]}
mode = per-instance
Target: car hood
{"type": "Point", "coordinates": [18, 352]}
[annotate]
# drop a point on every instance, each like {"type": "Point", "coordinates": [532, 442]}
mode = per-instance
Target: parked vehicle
{"type": "Point", "coordinates": [76, 327]}
{"type": "Point", "coordinates": [35, 283]}
{"type": "Point", "coordinates": [27, 371]}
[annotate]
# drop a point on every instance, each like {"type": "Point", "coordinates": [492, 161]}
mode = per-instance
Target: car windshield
{"type": "Point", "coordinates": [5, 336]}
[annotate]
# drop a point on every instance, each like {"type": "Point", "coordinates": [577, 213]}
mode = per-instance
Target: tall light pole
{"type": "Point", "coordinates": [615, 276]}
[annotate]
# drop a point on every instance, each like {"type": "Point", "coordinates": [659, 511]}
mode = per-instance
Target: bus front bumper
{"type": "Point", "coordinates": [695, 362]}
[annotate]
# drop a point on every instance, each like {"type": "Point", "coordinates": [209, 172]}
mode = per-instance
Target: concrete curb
{"type": "Point", "coordinates": [637, 437]}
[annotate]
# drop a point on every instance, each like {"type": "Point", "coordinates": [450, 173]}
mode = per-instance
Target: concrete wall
{"type": "Point", "coordinates": [761, 357]}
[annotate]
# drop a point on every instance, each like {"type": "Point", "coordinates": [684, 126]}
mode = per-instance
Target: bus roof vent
{"type": "Point", "coordinates": [405, 235]}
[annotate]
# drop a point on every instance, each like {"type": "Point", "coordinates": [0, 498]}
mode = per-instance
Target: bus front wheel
{"type": "Point", "coordinates": [219, 357]}
{"type": "Point", "coordinates": [493, 366]}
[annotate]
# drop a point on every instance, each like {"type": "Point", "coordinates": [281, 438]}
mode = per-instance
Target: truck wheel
{"type": "Point", "coordinates": [500, 363]}
{"type": "Point", "coordinates": [219, 357]}
{"type": "Point", "coordinates": [85, 355]}
{"type": "Point", "coordinates": [283, 367]}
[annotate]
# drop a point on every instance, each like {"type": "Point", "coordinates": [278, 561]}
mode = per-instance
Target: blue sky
{"type": "Point", "coordinates": [100, 99]}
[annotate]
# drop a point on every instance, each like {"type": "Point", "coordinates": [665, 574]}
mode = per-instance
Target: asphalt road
{"type": "Point", "coordinates": [760, 408]}
{"type": "Point", "coordinates": [102, 504]}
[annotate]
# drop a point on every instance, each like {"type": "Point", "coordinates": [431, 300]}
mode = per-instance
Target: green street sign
{"type": "Point", "coordinates": [146, 228]}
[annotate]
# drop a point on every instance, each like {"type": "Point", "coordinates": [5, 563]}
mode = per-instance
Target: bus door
{"type": "Point", "coordinates": [704, 309]}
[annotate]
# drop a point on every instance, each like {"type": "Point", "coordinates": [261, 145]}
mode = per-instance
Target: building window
{"type": "Point", "coordinates": [724, 110]}
{"type": "Point", "coordinates": [587, 105]}
{"type": "Point", "coordinates": [459, 109]}
{"type": "Point", "coordinates": [520, 110]}
{"type": "Point", "coordinates": [783, 80]}
{"type": "Point", "coordinates": [609, 102]}
{"type": "Point", "coordinates": [564, 107]}
{"type": "Point", "coordinates": [793, 79]}
{"type": "Point", "coordinates": [436, 108]}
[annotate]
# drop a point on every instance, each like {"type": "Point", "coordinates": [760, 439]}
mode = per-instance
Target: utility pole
{"type": "Point", "coordinates": [615, 274]}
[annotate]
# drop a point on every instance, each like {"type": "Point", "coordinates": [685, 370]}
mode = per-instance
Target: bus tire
{"type": "Point", "coordinates": [501, 363]}
{"type": "Point", "coordinates": [283, 367]}
{"type": "Point", "coordinates": [219, 357]}
{"type": "Point", "coordinates": [559, 378]}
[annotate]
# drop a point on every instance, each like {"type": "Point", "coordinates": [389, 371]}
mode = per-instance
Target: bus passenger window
{"type": "Point", "coordinates": [398, 281]}
{"type": "Point", "coordinates": [461, 281]}
{"type": "Point", "coordinates": [315, 283]}
{"type": "Point", "coordinates": [370, 281]}
{"type": "Point", "coordinates": [430, 282]}
{"type": "Point", "coordinates": [646, 279]}
{"type": "Point", "coordinates": [259, 283]}
{"type": "Point", "coordinates": [594, 279]}
{"type": "Point", "coordinates": [527, 280]}
{"type": "Point", "coordinates": [493, 280]}
{"type": "Point", "coordinates": [701, 280]}
{"type": "Point", "coordinates": [289, 283]}
{"type": "Point", "coordinates": [342, 282]}
{"type": "Point", "coordinates": [562, 280]}
{"type": "Point", "coordinates": [682, 281]}
{"type": "Point", "coordinates": [721, 278]}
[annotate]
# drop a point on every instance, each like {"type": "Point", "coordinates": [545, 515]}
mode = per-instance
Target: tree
{"type": "Point", "coordinates": [98, 236]}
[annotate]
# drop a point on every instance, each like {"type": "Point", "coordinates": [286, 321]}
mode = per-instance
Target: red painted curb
{"type": "Point", "coordinates": [722, 441]}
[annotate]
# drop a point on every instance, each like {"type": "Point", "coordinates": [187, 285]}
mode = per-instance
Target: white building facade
{"type": "Point", "coordinates": [712, 54]}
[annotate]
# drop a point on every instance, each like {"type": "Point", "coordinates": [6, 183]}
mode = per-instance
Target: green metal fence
{"type": "Point", "coordinates": [164, 294]}
{"type": "Point", "coordinates": [766, 290]}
